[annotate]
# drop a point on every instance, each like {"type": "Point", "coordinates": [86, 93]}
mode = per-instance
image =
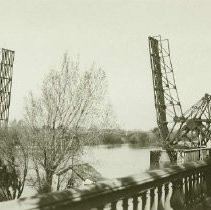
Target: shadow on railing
{"type": "Point", "coordinates": [176, 187]}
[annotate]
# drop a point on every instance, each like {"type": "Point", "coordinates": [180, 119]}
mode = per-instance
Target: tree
{"type": "Point", "coordinates": [69, 113]}
{"type": "Point", "coordinates": [141, 138]}
{"type": "Point", "coordinates": [13, 161]}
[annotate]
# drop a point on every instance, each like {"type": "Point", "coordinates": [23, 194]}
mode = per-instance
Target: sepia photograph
{"type": "Point", "coordinates": [105, 105]}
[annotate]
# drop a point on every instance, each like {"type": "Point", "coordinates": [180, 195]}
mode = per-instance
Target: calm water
{"type": "Point", "coordinates": [112, 161]}
{"type": "Point", "coordinates": [119, 160]}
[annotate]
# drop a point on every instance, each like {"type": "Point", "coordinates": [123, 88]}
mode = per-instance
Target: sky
{"type": "Point", "coordinates": [114, 35]}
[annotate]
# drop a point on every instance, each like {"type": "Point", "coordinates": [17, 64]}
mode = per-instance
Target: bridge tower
{"type": "Point", "coordinates": [184, 135]}
{"type": "Point", "coordinates": [167, 103]}
{"type": "Point", "coordinates": [6, 71]}
{"type": "Point", "coordinates": [191, 128]}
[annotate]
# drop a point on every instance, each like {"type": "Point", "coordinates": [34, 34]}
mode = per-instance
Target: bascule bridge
{"type": "Point", "coordinates": [184, 135]}
{"type": "Point", "coordinates": [180, 187]}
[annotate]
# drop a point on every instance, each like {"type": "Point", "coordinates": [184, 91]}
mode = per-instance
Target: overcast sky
{"type": "Point", "coordinates": [113, 34]}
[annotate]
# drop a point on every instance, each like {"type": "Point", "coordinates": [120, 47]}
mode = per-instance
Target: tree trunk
{"type": "Point", "coordinates": [47, 185]}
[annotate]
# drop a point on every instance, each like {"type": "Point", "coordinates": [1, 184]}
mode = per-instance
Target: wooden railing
{"type": "Point", "coordinates": [176, 187]}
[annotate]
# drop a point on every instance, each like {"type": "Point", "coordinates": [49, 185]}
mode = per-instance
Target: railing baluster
{"type": "Point", "coordinates": [204, 184]}
{"type": "Point", "coordinates": [100, 207]}
{"type": "Point", "coordinates": [208, 172]}
{"type": "Point", "coordinates": [198, 190]}
{"type": "Point", "coordinates": [125, 204]}
{"type": "Point", "coordinates": [160, 198]}
{"type": "Point", "coordinates": [152, 199]}
{"type": "Point", "coordinates": [147, 200]}
{"type": "Point", "coordinates": [167, 204]}
{"type": "Point", "coordinates": [113, 205]}
{"type": "Point", "coordinates": [195, 190]}
{"type": "Point", "coordinates": [200, 186]}
{"type": "Point", "coordinates": [187, 194]}
{"type": "Point", "coordinates": [177, 198]}
{"type": "Point", "coordinates": [144, 200]}
{"type": "Point", "coordinates": [166, 188]}
{"type": "Point", "coordinates": [135, 202]}
{"type": "Point", "coordinates": [190, 182]}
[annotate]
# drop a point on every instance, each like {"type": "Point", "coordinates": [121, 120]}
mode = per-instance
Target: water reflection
{"type": "Point", "coordinates": [137, 146]}
{"type": "Point", "coordinates": [111, 146]}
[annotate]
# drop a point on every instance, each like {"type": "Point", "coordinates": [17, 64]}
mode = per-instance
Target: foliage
{"type": "Point", "coordinates": [140, 138]}
{"type": "Point", "coordinates": [111, 138]}
{"type": "Point", "coordinates": [13, 161]}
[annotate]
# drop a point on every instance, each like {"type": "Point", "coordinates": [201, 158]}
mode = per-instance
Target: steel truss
{"type": "Point", "coordinates": [191, 128]}
{"type": "Point", "coordinates": [6, 70]}
{"type": "Point", "coordinates": [167, 103]}
{"type": "Point", "coordinates": [195, 130]}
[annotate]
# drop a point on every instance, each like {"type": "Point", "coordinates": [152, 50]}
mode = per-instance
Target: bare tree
{"type": "Point", "coordinates": [13, 161]}
{"type": "Point", "coordinates": [70, 113]}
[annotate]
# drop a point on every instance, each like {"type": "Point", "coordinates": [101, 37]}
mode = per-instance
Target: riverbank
{"type": "Point", "coordinates": [133, 137]}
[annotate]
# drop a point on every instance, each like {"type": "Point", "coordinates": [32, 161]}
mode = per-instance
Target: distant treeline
{"type": "Point", "coordinates": [142, 138]}
{"type": "Point", "coordinates": [109, 136]}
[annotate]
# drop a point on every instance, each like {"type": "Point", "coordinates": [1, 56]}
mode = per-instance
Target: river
{"type": "Point", "coordinates": [114, 161]}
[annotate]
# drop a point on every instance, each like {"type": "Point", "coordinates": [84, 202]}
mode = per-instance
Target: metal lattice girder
{"type": "Point", "coordinates": [6, 70]}
{"type": "Point", "coordinates": [195, 127]}
{"type": "Point", "coordinates": [167, 103]}
{"type": "Point", "coordinates": [192, 128]}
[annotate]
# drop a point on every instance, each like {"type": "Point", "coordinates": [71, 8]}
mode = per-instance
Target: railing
{"type": "Point", "coordinates": [176, 187]}
{"type": "Point", "coordinates": [188, 155]}
{"type": "Point", "coordinates": [160, 157]}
